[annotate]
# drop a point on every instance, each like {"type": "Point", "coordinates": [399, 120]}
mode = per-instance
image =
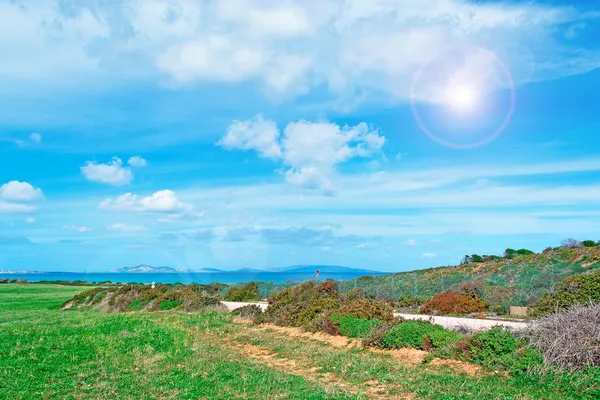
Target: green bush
{"type": "Point", "coordinates": [488, 347]}
{"type": "Point", "coordinates": [589, 243]}
{"type": "Point", "coordinates": [368, 309]}
{"type": "Point", "coordinates": [440, 338]}
{"type": "Point", "coordinates": [352, 326]}
{"type": "Point", "coordinates": [495, 349]}
{"type": "Point", "coordinates": [375, 336]}
{"type": "Point", "coordinates": [135, 305]}
{"type": "Point", "coordinates": [248, 292]}
{"type": "Point", "coordinates": [574, 290]}
{"type": "Point", "coordinates": [419, 335]}
{"type": "Point", "coordinates": [168, 305]}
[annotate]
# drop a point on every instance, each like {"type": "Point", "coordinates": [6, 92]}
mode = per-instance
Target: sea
{"type": "Point", "coordinates": [185, 277]}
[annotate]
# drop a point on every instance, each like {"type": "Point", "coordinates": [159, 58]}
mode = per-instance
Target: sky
{"type": "Point", "coordinates": [391, 134]}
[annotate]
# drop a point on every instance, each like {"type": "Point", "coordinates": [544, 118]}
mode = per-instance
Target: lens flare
{"type": "Point", "coordinates": [464, 97]}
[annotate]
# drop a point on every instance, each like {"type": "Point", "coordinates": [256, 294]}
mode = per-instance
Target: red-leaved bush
{"type": "Point", "coordinates": [449, 302]}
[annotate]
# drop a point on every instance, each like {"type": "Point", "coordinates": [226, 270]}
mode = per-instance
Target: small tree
{"type": "Point", "coordinates": [476, 258]}
{"type": "Point", "coordinates": [571, 243]}
{"type": "Point", "coordinates": [589, 243]}
{"type": "Point", "coordinates": [509, 253]}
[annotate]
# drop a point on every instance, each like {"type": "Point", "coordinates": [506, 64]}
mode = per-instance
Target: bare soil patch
{"type": "Point", "coordinates": [333, 382]}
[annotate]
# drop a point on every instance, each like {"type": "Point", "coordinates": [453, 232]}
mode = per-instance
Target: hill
{"type": "Point", "coordinates": [146, 269]}
{"type": "Point", "coordinates": [325, 269]}
{"type": "Point", "coordinates": [517, 278]}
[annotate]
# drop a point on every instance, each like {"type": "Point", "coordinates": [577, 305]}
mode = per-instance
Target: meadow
{"type": "Point", "coordinates": [50, 354]}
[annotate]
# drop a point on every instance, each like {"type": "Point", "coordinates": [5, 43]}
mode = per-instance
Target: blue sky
{"type": "Point", "coordinates": [390, 135]}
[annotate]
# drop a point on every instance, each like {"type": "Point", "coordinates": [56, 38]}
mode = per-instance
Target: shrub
{"type": "Point", "coordinates": [301, 305]}
{"type": "Point", "coordinates": [571, 243]}
{"type": "Point", "coordinates": [573, 290]}
{"type": "Point", "coordinates": [495, 349]}
{"type": "Point", "coordinates": [326, 325]}
{"type": "Point", "coordinates": [375, 336]}
{"type": "Point", "coordinates": [440, 338]}
{"type": "Point", "coordinates": [248, 292]}
{"type": "Point", "coordinates": [368, 309]}
{"type": "Point", "coordinates": [410, 302]}
{"type": "Point", "coordinates": [418, 335]}
{"type": "Point", "coordinates": [168, 304]}
{"type": "Point", "coordinates": [354, 294]}
{"type": "Point", "coordinates": [327, 288]}
{"type": "Point", "coordinates": [135, 305]}
{"type": "Point", "coordinates": [569, 339]}
{"type": "Point", "coordinates": [352, 326]}
{"type": "Point", "coordinates": [589, 243]}
{"type": "Point", "coordinates": [451, 302]}
{"type": "Point", "coordinates": [488, 346]}
{"type": "Point", "coordinates": [198, 302]}
{"type": "Point", "coordinates": [249, 311]}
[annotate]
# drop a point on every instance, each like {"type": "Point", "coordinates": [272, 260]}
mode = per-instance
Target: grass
{"type": "Point", "coordinates": [50, 354]}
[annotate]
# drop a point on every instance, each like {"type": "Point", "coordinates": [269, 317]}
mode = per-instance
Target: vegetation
{"type": "Point", "coordinates": [496, 350]}
{"type": "Point", "coordinates": [574, 290]}
{"type": "Point", "coordinates": [421, 335]}
{"type": "Point", "coordinates": [250, 311]}
{"type": "Point", "coordinates": [136, 297]}
{"type": "Point", "coordinates": [46, 353]}
{"type": "Point", "coordinates": [520, 278]}
{"type": "Point", "coordinates": [247, 292]}
{"type": "Point", "coordinates": [464, 301]}
{"type": "Point", "coordinates": [353, 327]}
{"type": "Point", "coordinates": [570, 339]}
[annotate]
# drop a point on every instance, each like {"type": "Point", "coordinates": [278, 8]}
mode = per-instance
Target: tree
{"type": "Point", "coordinates": [509, 253]}
{"type": "Point", "coordinates": [571, 243]}
{"type": "Point", "coordinates": [589, 243]}
{"type": "Point", "coordinates": [476, 258]}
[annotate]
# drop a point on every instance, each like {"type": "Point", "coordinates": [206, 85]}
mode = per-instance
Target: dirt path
{"type": "Point", "coordinates": [334, 384]}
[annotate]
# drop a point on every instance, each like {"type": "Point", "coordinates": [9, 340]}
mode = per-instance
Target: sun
{"type": "Point", "coordinates": [461, 97]}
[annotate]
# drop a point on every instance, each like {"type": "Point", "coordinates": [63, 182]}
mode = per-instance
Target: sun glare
{"type": "Point", "coordinates": [461, 97]}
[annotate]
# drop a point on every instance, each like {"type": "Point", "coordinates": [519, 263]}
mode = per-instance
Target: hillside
{"type": "Point", "coordinates": [145, 269]}
{"type": "Point", "coordinates": [504, 281]}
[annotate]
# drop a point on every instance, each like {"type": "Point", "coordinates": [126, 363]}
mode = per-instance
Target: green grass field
{"type": "Point", "coordinates": [50, 354]}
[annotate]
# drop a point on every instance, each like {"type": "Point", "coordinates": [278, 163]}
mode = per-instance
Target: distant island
{"type": "Point", "coordinates": [146, 269]}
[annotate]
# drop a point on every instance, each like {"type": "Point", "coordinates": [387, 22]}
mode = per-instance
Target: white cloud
{"type": "Point", "coordinates": [30, 220]}
{"type": "Point", "coordinates": [127, 228]}
{"type": "Point", "coordinates": [254, 134]}
{"type": "Point", "coordinates": [310, 150]}
{"type": "Point", "coordinates": [428, 255]}
{"type": "Point", "coordinates": [80, 229]}
{"type": "Point", "coordinates": [137, 161]}
{"type": "Point", "coordinates": [35, 138]}
{"type": "Point", "coordinates": [366, 245]}
{"type": "Point", "coordinates": [15, 191]}
{"type": "Point", "coordinates": [112, 173]}
{"type": "Point", "coordinates": [288, 47]}
{"type": "Point", "coordinates": [163, 201]}
{"type": "Point", "coordinates": [410, 242]}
